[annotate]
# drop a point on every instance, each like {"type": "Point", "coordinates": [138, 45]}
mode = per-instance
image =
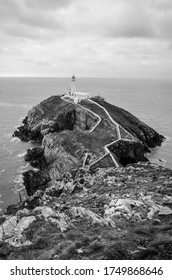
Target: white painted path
{"type": "Point", "coordinates": [107, 151]}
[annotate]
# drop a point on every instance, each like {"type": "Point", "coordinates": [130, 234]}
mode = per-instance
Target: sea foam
{"type": "Point", "coordinates": [22, 154]}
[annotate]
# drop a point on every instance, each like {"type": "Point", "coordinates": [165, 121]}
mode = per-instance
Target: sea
{"type": "Point", "coordinates": [149, 100]}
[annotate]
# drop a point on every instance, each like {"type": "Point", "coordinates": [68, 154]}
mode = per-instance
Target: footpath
{"type": "Point", "coordinates": [115, 124]}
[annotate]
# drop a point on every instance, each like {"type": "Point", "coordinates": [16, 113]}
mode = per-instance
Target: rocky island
{"type": "Point", "coordinates": [91, 191]}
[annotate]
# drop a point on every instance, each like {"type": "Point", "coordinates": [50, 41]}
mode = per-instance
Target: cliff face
{"type": "Point", "coordinates": [133, 125]}
{"type": "Point", "coordinates": [79, 205]}
{"type": "Point", "coordinates": [91, 134]}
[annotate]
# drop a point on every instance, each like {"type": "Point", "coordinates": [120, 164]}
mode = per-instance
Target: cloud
{"type": "Point", "coordinates": [47, 4]}
{"type": "Point", "coordinates": [106, 37]}
{"type": "Point", "coordinates": [128, 19]}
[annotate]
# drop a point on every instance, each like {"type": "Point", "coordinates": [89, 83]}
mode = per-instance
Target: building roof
{"type": "Point", "coordinates": [81, 93]}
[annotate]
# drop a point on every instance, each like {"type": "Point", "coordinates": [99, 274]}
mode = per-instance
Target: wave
{"type": "Point", "coordinates": [161, 162]}
{"type": "Point", "coordinates": [23, 168]}
{"type": "Point", "coordinates": [15, 139]}
{"type": "Point", "coordinates": [22, 154]}
{"type": "Point", "coordinates": [166, 141]}
{"type": "Point", "coordinates": [19, 179]}
{"type": "Point", "coordinates": [18, 188]}
{"type": "Point", "coordinates": [2, 171]}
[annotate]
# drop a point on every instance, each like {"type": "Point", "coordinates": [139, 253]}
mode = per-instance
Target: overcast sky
{"type": "Point", "coordinates": [91, 38]}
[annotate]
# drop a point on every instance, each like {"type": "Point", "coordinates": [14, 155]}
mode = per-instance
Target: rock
{"type": "Point", "coordinates": [2, 219]}
{"type": "Point", "coordinates": [80, 251]}
{"type": "Point", "coordinates": [128, 152]}
{"type": "Point", "coordinates": [11, 230]}
{"type": "Point", "coordinates": [36, 157]}
{"type": "Point", "coordinates": [44, 211]}
{"type": "Point", "coordinates": [165, 211]}
{"type": "Point", "coordinates": [14, 241]}
{"type": "Point", "coordinates": [21, 213]}
{"type": "Point", "coordinates": [8, 226]}
{"type": "Point", "coordinates": [156, 222]}
{"type": "Point", "coordinates": [143, 132]}
{"type": "Point", "coordinates": [54, 191]}
{"type": "Point", "coordinates": [55, 217]}
{"type": "Point", "coordinates": [154, 209]}
{"type": "Point", "coordinates": [84, 213]}
{"type": "Point", "coordinates": [65, 131]}
{"type": "Point", "coordinates": [23, 224]}
{"type": "Point", "coordinates": [34, 181]}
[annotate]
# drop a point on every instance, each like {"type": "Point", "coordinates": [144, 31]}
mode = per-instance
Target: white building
{"type": "Point", "coordinates": [75, 95]}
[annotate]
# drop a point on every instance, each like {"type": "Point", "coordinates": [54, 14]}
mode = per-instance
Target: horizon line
{"type": "Point", "coordinates": [86, 77]}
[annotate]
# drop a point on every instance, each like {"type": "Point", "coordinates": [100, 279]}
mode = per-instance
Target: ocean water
{"type": "Point", "coordinates": [149, 100]}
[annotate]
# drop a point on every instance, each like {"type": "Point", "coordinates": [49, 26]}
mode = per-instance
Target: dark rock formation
{"type": "Point", "coordinates": [65, 131]}
{"type": "Point", "coordinates": [143, 132]}
{"type": "Point", "coordinates": [35, 180]}
{"type": "Point", "coordinates": [128, 152]}
{"type": "Point", "coordinates": [53, 115]}
{"type": "Point", "coordinates": [36, 157]}
{"type": "Point", "coordinates": [25, 133]}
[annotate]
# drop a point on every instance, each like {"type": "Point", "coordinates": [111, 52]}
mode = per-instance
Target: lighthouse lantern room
{"type": "Point", "coordinates": [73, 85]}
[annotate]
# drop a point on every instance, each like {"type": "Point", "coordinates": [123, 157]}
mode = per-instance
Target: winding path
{"type": "Point", "coordinates": [117, 126]}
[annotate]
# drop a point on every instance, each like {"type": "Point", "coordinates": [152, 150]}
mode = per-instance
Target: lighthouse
{"type": "Point", "coordinates": [74, 95]}
{"type": "Point", "coordinates": [73, 86]}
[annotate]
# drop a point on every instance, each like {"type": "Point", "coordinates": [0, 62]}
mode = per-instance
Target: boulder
{"type": "Point", "coordinates": [36, 157]}
{"type": "Point", "coordinates": [35, 180]}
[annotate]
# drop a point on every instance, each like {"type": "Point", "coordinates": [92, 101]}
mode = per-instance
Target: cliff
{"type": "Point", "coordinates": [94, 194]}
{"type": "Point", "coordinates": [90, 134]}
{"type": "Point", "coordinates": [114, 213]}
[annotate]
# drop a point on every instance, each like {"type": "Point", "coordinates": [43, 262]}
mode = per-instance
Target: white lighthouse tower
{"type": "Point", "coordinates": [75, 95]}
{"type": "Point", "coordinates": [73, 86]}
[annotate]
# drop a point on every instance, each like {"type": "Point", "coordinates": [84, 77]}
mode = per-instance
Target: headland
{"type": "Point", "coordinates": [92, 194]}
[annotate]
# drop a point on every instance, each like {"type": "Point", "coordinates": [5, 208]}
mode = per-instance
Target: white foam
{"type": "Point", "coordinates": [26, 106]}
{"type": "Point", "coordinates": [15, 139]}
{"type": "Point", "coordinates": [22, 154]}
{"type": "Point", "coordinates": [23, 168]}
{"type": "Point", "coordinates": [160, 162]}
{"type": "Point", "coordinates": [2, 171]}
{"type": "Point", "coordinates": [18, 188]}
{"type": "Point", "coordinates": [19, 179]}
{"type": "Point", "coordinates": [165, 142]}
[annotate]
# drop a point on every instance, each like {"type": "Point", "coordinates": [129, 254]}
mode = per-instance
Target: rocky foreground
{"type": "Point", "coordinates": [79, 208]}
{"type": "Point", "coordinates": [123, 213]}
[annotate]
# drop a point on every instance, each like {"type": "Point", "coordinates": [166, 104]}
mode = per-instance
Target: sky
{"type": "Point", "coordinates": [91, 38]}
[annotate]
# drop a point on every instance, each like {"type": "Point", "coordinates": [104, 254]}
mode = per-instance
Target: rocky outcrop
{"type": "Point", "coordinates": [34, 181]}
{"type": "Point", "coordinates": [36, 157]}
{"type": "Point", "coordinates": [137, 128]}
{"type": "Point", "coordinates": [77, 135]}
{"type": "Point", "coordinates": [129, 152]}
{"type": "Point", "coordinates": [115, 213]}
